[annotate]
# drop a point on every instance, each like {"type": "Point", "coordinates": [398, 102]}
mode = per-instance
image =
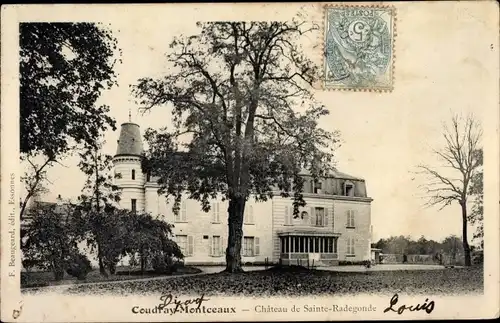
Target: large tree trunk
{"type": "Point", "coordinates": [143, 262]}
{"type": "Point", "coordinates": [58, 269]}
{"type": "Point", "coordinates": [465, 241]}
{"type": "Point", "coordinates": [235, 224]}
{"type": "Point", "coordinates": [102, 267]}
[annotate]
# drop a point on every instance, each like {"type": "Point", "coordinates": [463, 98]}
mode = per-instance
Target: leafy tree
{"type": "Point", "coordinates": [33, 180]}
{"type": "Point", "coordinates": [462, 157]}
{"type": "Point", "coordinates": [150, 239]}
{"type": "Point", "coordinates": [234, 90]}
{"type": "Point", "coordinates": [476, 191]}
{"type": "Point", "coordinates": [422, 245]}
{"type": "Point", "coordinates": [49, 239]}
{"type": "Point", "coordinates": [453, 246]}
{"type": "Point", "coordinates": [64, 67]}
{"type": "Point", "coordinates": [98, 202]}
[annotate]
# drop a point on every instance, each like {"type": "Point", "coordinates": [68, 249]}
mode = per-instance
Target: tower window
{"type": "Point", "coordinates": [133, 173]}
{"type": "Point", "coordinates": [134, 205]}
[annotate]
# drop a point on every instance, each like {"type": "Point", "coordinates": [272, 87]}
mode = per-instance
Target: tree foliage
{"type": "Point", "coordinates": [244, 118]}
{"type": "Point", "coordinates": [64, 67]}
{"type": "Point", "coordinates": [406, 245]}
{"type": "Point", "coordinates": [50, 239]}
{"type": "Point", "coordinates": [98, 203]}
{"type": "Point", "coordinates": [150, 239]}
{"type": "Point", "coordinates": [462, 157]}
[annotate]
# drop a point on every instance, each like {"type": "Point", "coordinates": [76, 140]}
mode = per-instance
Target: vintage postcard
{"type": "Point", "coordinates": [250, 162]}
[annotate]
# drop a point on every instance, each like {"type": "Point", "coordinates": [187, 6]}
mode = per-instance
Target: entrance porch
{"type": "Point", "coordinates": [309, 249]}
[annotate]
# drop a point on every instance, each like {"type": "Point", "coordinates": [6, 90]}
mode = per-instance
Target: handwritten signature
{"type": "Point", "coordinates": [427, 306]}
{"type": "Point", "coordinates": [178, 305]}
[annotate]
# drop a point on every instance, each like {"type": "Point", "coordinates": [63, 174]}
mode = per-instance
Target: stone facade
{"type": "Point", "coordinates": [334, 226]}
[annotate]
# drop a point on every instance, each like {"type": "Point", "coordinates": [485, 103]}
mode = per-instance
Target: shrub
{"type": "Point", "coordinates": [366, 263]}
{"type": "Point", "coordinates": [165, 264]}
{"type": "Point", "coordinates": [478, 258]}
{"type": "Point", "coordinates": [79, 266]}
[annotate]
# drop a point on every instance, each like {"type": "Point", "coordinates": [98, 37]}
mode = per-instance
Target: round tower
{"type": "Point", "coordinates": [127, 167]}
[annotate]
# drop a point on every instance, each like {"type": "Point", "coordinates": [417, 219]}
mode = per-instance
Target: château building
{"type": "Point", "coordinates": [334, 226]}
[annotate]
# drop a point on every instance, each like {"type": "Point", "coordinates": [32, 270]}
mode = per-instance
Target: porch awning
{"type": "Point", "coordinates": [302, 233]}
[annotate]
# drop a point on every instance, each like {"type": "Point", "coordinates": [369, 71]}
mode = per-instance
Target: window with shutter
{"type": "Point", "coordinates": [350, 219]}
{"type": "Point", "coordinates": [211, 246]}
{"type": "Point", "coordinates": [182, 242]}
{"type": "Point", "coordinates": [287, 215]}
{"type": "Point", "coordinates": [257, 246]}
{"type": "Point", "coordinates": [327, 215]}
{"type": "Point", "coordinates": [250, 209]}
{"type": "Point", "coordinates": [350, 246]}
{"type": "Point", "coordinates": [248, 217]}
{"type": "Point", "coordinates": [319, 216]}
{"type": "Point", "coordinates": [291, 217]}
{"type": "Point", "coordinates": [222, 246]}
{"type": "Point", "coordinates": [190, 246]}
{"type": "Point", "coordinates": [248, 246]}
{"type": "Point", "coordinates": [215, 213]}
{"type": "Point", "coordinates": [217, 218]}
{"type": "Point", "coordinates": [312, 216]}
{"type": "Point", "coordinates": [216, 247]}
{"type": "Point", "coordinates": [183, 212]}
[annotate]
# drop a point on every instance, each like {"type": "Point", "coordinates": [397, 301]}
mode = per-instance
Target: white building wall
{"type": "Point", "coordinates": [130, 188]}
{"type": "Point", "coordinates": [201, 227]}
{"type": "Point", "coordinates": [360, 233]}
{"type": "Point", "coordinates": [152, 200]}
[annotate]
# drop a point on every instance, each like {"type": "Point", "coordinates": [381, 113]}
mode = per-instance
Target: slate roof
{"type": "Point", "coordinates": [334, 174]}
{"type": "Point", "coordinates": [130, 142]}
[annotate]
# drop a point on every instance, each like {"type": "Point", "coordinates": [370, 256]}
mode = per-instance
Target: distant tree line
{"type": "Point", "coordinates": [406, 245]}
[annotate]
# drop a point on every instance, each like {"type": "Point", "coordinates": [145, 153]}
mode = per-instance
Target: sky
{"type": "Point", "coordinates": [384, 135]}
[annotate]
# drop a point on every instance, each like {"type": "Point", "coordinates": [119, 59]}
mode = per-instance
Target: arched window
{"type": "Point", "coordinates": [133, 173]}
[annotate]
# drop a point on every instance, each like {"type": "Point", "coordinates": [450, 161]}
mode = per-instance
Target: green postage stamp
{"type": "Point", "coordinates": [359, 48]}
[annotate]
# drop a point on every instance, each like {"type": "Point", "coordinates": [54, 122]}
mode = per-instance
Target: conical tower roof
{"type": "Point", "coordinates": [130, 142]}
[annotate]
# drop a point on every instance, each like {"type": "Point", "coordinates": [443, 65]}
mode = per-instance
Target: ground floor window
{"type": "Point", "coordinates": [304, 244]}
{"type": "Point", "coordinates": [216, 246]}
{"type": "Point", "coordinates": [350, 246]}
{"type": "Point", "coordinates": [248, 244]}
{"type": "Point", "coordinates": [182, 242]}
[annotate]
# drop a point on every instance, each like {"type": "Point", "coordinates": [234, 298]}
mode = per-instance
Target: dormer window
{"type": "Point", "coordinates": [318, 188]}
{"type": "Point", "coordinates": [349, 189]}
{"type": "Point", "coordinates": [133, 174]}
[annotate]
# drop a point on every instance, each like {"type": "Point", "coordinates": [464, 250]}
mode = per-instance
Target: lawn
{"type": "Point", "coordinates": [42, 279]}
{"type": "Point", "coordinates": [277, 282]}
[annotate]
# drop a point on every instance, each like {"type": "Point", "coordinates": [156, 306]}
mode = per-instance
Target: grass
{"type": "Point", "coordinates": [287, 282]}
{"type": "Point", "coordinates": [43, 279]}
